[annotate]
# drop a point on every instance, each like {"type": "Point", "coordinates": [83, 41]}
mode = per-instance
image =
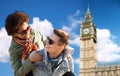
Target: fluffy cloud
{"type": "Point", "coordinates": [74, 21]}
{"type": "Point", "coordinates": [75, 41]}
{"type": "Point", "coordinates": [44, 26]}
{"type": "Point", "coordinates": [4, 45]}
{"type": "Point", "coordinates": [107, 49]}
{"type": "Point", "coordinates": [74, 24]}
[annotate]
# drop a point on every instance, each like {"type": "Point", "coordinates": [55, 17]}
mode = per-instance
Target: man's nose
{"type": "Point", "coordinates": [46, 42]}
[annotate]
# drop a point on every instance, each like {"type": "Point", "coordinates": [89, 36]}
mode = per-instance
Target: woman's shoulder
{"type": "Point", "coordinates": [14, 47]}
{"type": "Point", "coordinates": [35, 32]}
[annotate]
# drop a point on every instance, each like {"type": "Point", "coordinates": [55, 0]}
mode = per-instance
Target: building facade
{"type": "Point", "coordinates": [88, 52]}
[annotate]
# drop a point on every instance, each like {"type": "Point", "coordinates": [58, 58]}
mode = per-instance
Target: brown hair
{"type": "Point", "coordinates": [64, 36]}
{"type": "Point", "coordinates": [14, 21]}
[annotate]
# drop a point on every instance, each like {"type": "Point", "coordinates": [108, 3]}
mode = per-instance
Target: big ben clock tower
{"type": "Point", "coordinates": [88, 58]}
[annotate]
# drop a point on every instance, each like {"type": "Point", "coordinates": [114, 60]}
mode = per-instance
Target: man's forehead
{"type": "Point", "coordinates": [54, 36]}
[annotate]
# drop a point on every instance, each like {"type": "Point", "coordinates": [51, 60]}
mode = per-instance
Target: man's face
{"type": "Point", "coordinates": [23, 32]}
{"type": "Point", "coordinates": [52, 44]}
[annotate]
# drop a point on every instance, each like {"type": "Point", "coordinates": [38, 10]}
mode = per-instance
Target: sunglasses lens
{"type": "Point", "coordinates": [24, 32]}
{"type": "Point", "coordinates": [50, 41]}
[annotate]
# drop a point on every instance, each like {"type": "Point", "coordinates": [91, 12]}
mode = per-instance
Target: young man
{"type": "Point", "coordinates": [57, 58]}
{"type": "Point", "coordinates": [24, 41]}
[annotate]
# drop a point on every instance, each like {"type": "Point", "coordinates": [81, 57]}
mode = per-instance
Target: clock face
{"type": "Point", "coordinates": [86, 30]}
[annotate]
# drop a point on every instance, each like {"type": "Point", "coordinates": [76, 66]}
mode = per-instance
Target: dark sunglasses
{"type": "Point", "coordinates": [24, 31]}
{"type": "Point", "coordinates": [50, 41]}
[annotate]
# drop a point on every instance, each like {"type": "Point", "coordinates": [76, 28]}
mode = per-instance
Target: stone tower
{"type": "Point", "coordinates": [88, 58]}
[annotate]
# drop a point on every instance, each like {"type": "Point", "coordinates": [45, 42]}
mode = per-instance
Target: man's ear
{"type": "Point", "coordinates": [62, 47]}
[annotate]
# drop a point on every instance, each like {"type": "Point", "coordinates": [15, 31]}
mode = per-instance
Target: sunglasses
{"type": "Point", "coordinates": [51, 41]}
{"type": "Point", "coordinates": [24, 31]}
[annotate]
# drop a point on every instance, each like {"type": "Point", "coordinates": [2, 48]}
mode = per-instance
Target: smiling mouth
{"type": "Point", "coordinates": [24, 40]}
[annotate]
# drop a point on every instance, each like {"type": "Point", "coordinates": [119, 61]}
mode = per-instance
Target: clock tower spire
{"type": "Point", "coordinates": [88, 17]}
{"type": "Point", "coordinates": [88, 58]}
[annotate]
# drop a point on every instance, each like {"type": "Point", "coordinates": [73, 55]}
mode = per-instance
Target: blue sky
{"type": "Point", "coordinates": [46, 15]}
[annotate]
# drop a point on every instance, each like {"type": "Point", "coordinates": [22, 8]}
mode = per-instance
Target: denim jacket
{"type": "Point", "coordinates": [45, 67]}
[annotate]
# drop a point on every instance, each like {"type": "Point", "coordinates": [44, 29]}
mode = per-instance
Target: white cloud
{"type": "Point", "coordinates": [4, 45]}
{"type": "Point", "coordinates": [68, 29]}
{"type": "Point", "coordinates": [44, 26]}
{"type": "Point", "coordinates": [107, 49]}
{"type": "Point", "coordinates": [74, 21]}
{"type": "Point", "coordinates": [75, 41]}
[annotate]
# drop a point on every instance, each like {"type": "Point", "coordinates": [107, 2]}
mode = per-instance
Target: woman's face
{"type": "Point", "coordinates": [23, 32]}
